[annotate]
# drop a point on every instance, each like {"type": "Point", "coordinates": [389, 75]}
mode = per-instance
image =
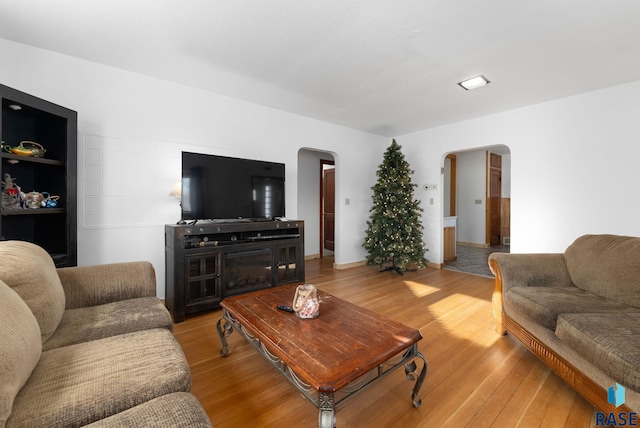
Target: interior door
{"type": "Point", "coordinates": [328, 208]}
{"type": "Point", "coordinates": [495, 198]}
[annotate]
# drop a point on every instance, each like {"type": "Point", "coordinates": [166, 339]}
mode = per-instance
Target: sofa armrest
{"type": "Point", "coordinates": [96, 285]}
{"type": "Point", "coordinates": [528, 270]}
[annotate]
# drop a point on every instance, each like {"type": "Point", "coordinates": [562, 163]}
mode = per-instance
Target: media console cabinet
{"type": "Point", "coordinates": [208, 261]}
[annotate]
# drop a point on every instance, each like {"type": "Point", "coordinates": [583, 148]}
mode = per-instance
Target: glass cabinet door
{"type": "Point", "coordinates": [203, 277]}
{"type": "Point", "coordinates": [287, 263]}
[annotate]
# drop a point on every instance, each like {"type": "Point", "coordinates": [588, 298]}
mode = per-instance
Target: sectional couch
{"type": "Point", "coordinates": [88, 346]}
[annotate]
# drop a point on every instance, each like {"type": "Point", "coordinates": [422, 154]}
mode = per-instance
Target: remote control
{"type": "Point", "coordinates": [285, 308]}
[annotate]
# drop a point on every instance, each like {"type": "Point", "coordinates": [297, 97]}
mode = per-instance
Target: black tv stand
{"type": "Point", "coordinates": [270, 237]}
{"type": "Point", "coordinates": [208, 261]}
{"type": "Point", "coordinates": [228, 220]}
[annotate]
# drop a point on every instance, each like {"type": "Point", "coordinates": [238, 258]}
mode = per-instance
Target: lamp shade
{"type": "Point", "coordinates": [176, 190]}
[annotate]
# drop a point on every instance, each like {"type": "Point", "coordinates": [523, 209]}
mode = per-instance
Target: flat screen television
{"type": "Point", "coordinates": [225, 188]}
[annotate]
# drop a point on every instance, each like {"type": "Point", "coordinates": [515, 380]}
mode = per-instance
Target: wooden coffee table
{"type": "Point", "coordinates": [328, 358]}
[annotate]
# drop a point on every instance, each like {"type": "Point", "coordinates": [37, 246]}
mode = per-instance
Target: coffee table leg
{"type": "Point", "coordinates": [410, 370]}
{"type": "Point", "coordinates": [225, 328]}
{"type": "Point", "coordinates": [327, 409]}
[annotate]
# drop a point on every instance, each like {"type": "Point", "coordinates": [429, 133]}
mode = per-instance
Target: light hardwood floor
{"type": "Point", "coordinates": [476, 378]}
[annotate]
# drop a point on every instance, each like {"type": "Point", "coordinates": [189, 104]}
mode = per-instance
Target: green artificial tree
{"type": "Point", "coordinates": [394, 229]}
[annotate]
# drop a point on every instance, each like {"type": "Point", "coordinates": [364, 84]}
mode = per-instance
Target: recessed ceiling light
{"type": "Point", "coordinates": [15, 107]}
{"type": "Point", "coordinates": [474, 83]}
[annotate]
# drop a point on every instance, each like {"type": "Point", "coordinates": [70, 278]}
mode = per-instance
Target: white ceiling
{"type": "Point", "coordinates": [385, 67]}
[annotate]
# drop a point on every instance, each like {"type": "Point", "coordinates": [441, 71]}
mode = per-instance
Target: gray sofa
{"type": "Point", "coordinates": [88, 346]}
{"type": "Point", "coordinates": [578, 311]}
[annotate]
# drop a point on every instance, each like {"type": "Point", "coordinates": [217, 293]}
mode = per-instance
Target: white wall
{"type": "Point", "coordinates": [506, 176]}
{"type": "Point", "coordinates": [471, 173]}
{"type": "Point", "coordinates": [132, 130]}
{"type": "Point", "coordinates": [574, 161]}
{"type": "Point", "coordinates": [574, 167]}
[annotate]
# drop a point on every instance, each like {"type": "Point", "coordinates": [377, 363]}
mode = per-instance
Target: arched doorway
{"type": "Point", "coordinates": [476, 207]}
{"type": "Point", "coordinates": [312, 165]}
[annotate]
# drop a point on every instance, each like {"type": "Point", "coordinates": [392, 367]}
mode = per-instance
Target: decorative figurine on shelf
{"type": "Point", "coordinates": [35, 200]}
{"type": "Point", "coordinates": [11, 195]}
{"type": "Point", "coordinates": [305, 301]}
{"type": "Point", "coordinates": [26, 148]}
{"type": "Point", "coordinates": [51, 201]}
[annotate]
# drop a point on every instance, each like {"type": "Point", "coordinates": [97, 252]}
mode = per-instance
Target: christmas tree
{"type": "Point", "coordinates": [394, 230]}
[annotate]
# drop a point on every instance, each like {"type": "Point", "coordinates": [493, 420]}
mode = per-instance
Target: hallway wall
{"type": "Point", "coordinates": [574, 163]}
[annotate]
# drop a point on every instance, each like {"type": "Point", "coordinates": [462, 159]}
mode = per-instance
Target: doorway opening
{"type": "Point", "coordinates": [476, 207]}
{"type": "Point", "coordinates": [312, 164]}
{"type": "Point", "coordinates": [327, 207]}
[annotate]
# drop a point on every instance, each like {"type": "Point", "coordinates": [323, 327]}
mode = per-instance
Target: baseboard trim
{"type": "Point", "coordinates": [473, 244]}
{"type": "Point", "coordinates": [349, 265]}
{"type": "Point", "coordinates": [343, 266]}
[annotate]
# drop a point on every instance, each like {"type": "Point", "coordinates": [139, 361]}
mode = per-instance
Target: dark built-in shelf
{"type": "Point", "coordinates": [31, 211]}
{"type": "Point", "coordinates": [29, 118]}
{"type": "Point", "coordinates": [20, 158]}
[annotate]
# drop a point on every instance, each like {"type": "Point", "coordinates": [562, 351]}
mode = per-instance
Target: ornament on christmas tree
{"type": "Point", "coordinates": [394, 229]}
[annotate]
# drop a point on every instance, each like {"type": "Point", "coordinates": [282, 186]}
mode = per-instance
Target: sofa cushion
{"type": "Point", "coordinates": [544, 304]}
{"type": "Point", "coordinates": [607, 265]}
{"type": "Point", "coordinates": [30, 271]}
{"type": "Point", "coordinates": [610, 341]}
{"type": "Point", "coordinates": [97, 322]}
{"type": "Point", "coordinates": [79, 384]}
{"type": "Point", "coordinates": [20, 347]}
{"type": "Point", "coordinates": [177, 410]}
{"type": "Point", "coordinates": [106, 283]}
